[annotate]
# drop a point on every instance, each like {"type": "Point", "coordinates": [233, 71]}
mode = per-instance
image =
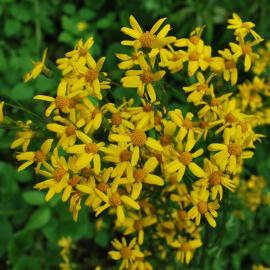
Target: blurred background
{"type": "Point", "coordinates": [30, 228]}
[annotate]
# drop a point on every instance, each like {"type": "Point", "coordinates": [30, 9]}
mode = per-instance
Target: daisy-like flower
{"type": "Point", "coordinates": [242, 28]}
{"type": "Point", "coordinates": [142, 79]}
{"type": "Point", "coordinates": [186, 248]}
{"type": "Point", "coordinates": [128, 253]}
{"type": "Point", "coordinates": [183, 158]}
{"type": "Point", "coordinates": [123, 157]}
{"type": "Point", "coordinates": [185, 123]}
{"type": "Point", "coordinates": [136, 223]}
{"type": "Point", "coordinates": [87, 152]}
{"type": "Point", "coordinates": [232, 151]}
{"type": "Point", "coordinates": [39, 157]}
{"type": "Point", "coordinates": [138, 139]}
{"type": "Point", "coordinates": [215, 179]}
{"type": "Point", "coordinates": [128, 62]}
{"type": "Point", "coordinates": [230, 72]}
{"type": "Point", "coordinates": [148, 39]}
{"type": "Point", "coordinates": [64, 101]}
{"type": "Point", "coordinates": [23, 137]}
{"type": "Point", "coordinates": [113, 199]}
{"type": "Point", "coordinates": [199, 89]}
{"type": "Point", "coordinates": [119, 119]}
{"type": "Point", "coordinates": [37, 69]}
{"type": "Point", "coordinates": [143, 116]}
{"type": "Point", "coordinates": [90, 78]}
{"type": "Point", "coordinates": [201, 207]}
{"type": "Point", "coordinates": [56, 174]}
{"type": "Point", "coordinates": [167, 136]}
{"type": "Point", "coordinates": [245, 50]}
{"type": "Point", "coordinates": [66, 130]}
{"type": "Point", "coordinates": [1, 112]}
{"type": "Point", "coordinates": [145, 175]}
{"type": "Point", "coordinates": [91, 114]}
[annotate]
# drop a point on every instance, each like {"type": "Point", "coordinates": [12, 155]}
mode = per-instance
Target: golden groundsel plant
{"type": "Point", "coordinates": [129, 160]}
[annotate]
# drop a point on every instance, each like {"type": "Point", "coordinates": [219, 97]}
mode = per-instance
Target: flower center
{"type": "Point", "coordinates": [201, 87]}
{"type": "Point", "coordinates": [125, 155]}
{"type": "Point", "coordinates": [102, 186]}
{"type": "Point", "coordinates": [58, 174]}
{"type": "Point", "coordinates": [187, 123]}
{"type": "Point", "coordinates": [138, 138]}
{"type": "Point", "coordinates": [230, 118]}
{"type": "Point", "coordinates": [70, 130]}
{"type": "Point", "coordinates": [39, 156]}
{"type": "Point", "coordinates": [203, 124]}
{"type": "Point", "coordinates": [61, 102]}
{"type": "Point", "coordinates": [185, 247]}
{"type": "Point", "coordinates": [194, 39]}
{"type": "Point", "coordinates": [147, 39]}
{"type": "Point", "coordinates": [182, 214]}
{"type": "Point", "coordinates": [147, 108]}
{"type": "Point", "coordinates": [91, 75]}
{"type": "Point", "coordinates": [246, 49]}
{"type": "Point", "coordinates": [126, 252]}
{"type": "Point", "coordinates": [115, 199]}
{"type": "Point", "coordinates": [215, 178]}
{"type": "Point", "coordinates": [116, 119]}
{"type": "Point", "coordinates": [245, 25]}
{"type": "Point", "coordinates": [74, 180]}
{"type": "Point", "coordinates": [214, 102]}
{"type": "Point", "coordinates": [139, 175]}
{"type": "Point", "coordinates": [94, 113]}
{"type": "Point", "coordinates": [185, 158]}
{"type": "Point", "coordinates": [91, 148]}
{"type": "Point", "coordinates": [229, 65]}
{"type": "Point", "coordinates": [202, 207]}
{"type": "Point", "coordinates": [235, 149]}
{"type": "Point", "coordinates": [138, 225]}
{"type": "Point", "coordinates": [147, 76]}
{"type": "Point", "coordinates": [244, 126]}
{"type": "Point", "coordinates": [193, 56]}
{"type": "Point", "coordinates": [165, 139]}
{"type": "Point", "coordinates": [83, 52]}
{"type": "Point", "coordinates": [85, 172]}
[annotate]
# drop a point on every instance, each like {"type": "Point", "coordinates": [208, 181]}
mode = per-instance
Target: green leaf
{"type": "Point", "coordinates": [39, 218]}
{"type": "Point", "coordinates": [5, 235]}
{"type": "Point", "coordinates": [33, 197]}
{"type": "Point", "coordinates": [232, 230]}
{"type": "Point", "coordinates": [22, 92]}
{"type": "Point", "coordinates": [69, 8]}
{"type": "Point", "coordinates": [12, 27]}
{"type": "Point", "coordinates": [102, 238]}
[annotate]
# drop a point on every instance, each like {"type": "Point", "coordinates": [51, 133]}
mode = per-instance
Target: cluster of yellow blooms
{"type": "Point", "coordinates": [148, 164]}
{"type": "Point", "coordinates": [65, 243]}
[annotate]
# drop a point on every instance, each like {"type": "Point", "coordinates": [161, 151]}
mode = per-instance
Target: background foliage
{"type": "Point", "coordinates": [30, 228]}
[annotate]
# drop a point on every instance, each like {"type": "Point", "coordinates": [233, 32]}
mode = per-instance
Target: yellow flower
{"type": "Point", "coordinates": [66, 130]}
{"type": "Point", "coordinates": [123, 157]}
{"type": "Point", "coordinates": [128, 253]}
{"type": "Point", "coordinates": [215, 179]}
{"type": "Point", "coordinates": [186, 248]}
{"type": "Point", "coordinates": [148, 39]}
{"type": "Point", "coordinates": [1, 112]}
{"type": "Point", "coordinates": [38, 157]}
{"type": "Point", "coordinates": [81, 26]}
{"type": "Point", "coordinates": [87, 152]}
{"type": "Point", "coordinates": [199, 89]}
{"type": "Point", "coordinates": [242, 28]}
{"type": "Point", "coordinates": [201, 207]}
{"type": "Point", "coordinates": [230, 71]}
{"type": "Point", "coordinates": [142, 79]}
{"type": "Point", "coordinates": [113, 199]}
{"type": "Point", "coordinates": [245, 50]}
{"type": "Point", "coordinates": [183, 158]}
{"type": "Point", "coordinates": [90, 77]}
{"type": "Point", "coordinates": [136, 223]}
{"type": "Point", "coordinates": [24, 136]}
{"type": "Point", "coordinates": [64, 101]}
{"type": "Point", "coordinates": [128, 62]}
{"type": "Point", "coordinates": [37, 69]}
{"type": "Point", "coordinates": [231, 151]}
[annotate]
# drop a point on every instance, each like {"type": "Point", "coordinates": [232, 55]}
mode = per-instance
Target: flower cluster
{"type": "Point", "coordinates": [155, 167]}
